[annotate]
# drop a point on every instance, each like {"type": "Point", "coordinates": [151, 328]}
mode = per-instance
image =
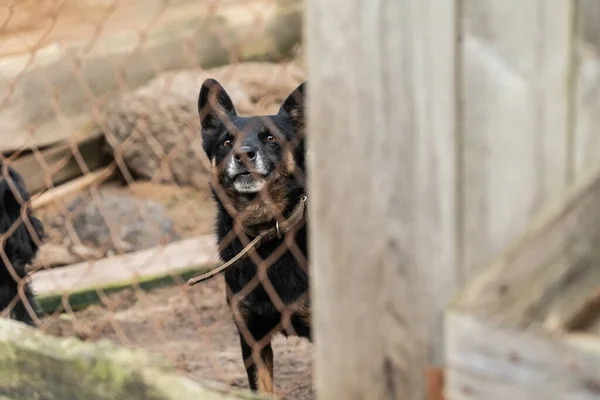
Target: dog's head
{"type": "Point", "coordinates": [21, 232]}
{"type": "Point", "coordinates": [248, 154]}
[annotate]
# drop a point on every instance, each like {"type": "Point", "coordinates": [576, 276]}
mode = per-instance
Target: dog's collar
{"type": "Point", "coordinates": [279, 230]}
{"type": "Point", "coordinates": [261, 237]}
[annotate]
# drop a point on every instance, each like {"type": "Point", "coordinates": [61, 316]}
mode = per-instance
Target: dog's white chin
{"type": "Point", "coordinates": [249, 186]}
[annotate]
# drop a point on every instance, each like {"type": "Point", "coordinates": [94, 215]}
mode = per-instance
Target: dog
{"type": "Point", "coordinates": [258, 179]}
{"type": "Point", "coordinates": [20, 233]}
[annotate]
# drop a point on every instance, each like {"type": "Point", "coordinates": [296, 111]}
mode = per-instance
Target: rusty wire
{"type": "Point", "coordinates": [60, 23]}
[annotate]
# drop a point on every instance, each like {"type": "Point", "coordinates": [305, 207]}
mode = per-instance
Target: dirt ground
{"type": "Point", "coordinates": [193, 329]}
{"type": "Point", "coordinates": [190, 327]}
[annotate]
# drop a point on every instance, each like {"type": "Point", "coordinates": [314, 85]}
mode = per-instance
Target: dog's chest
{"type": "Point", "coordinates": [284, 275]}
{"type": "Point", "coordinates": [285, 282]}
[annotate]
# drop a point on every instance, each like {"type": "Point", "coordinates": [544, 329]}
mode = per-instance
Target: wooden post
{"type": "Point", "coordinates": [586, 85]}
{"type": "Point", "coordinates": [381, 108]}
{"type": "Point", "coordinates": [515, 83]}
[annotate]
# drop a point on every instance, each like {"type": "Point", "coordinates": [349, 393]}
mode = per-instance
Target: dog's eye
{"type": "Point", "coordinates": [226, 143]}
{"type": "Point", "coordinates": [271, 139]}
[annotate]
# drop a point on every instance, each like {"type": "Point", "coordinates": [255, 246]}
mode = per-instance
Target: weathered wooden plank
{"type": "Point", "coordinates": [127, 268]}
{"type": "Point", "coordinates": [80, 299]}
{"type": "Point", "coordinates": [381, 136]}
{"type": "Point", "coordinates": [487, 361]}
{"type": "Point", "coordinates": [43, 169]}
{"type": "Point", "coordinates": [76, 185]}
{"type": "Point", "coordinates": [576, 302]}
{"type": "Point", "coordinates": [587, 84]}
{"type": "Point", "coordinates": [594, 326]}
{"type": "Point", "coordinates": [431, 47]}
{"type": "Point", "coordinates": [515, 69]}
{"type": "Point", "coordinates": [52, 96]}
{"type": "Point", "coordinates": [509, 333]}
{"type": "Point", "coordinates": [34, 365]}
{"type": "Point", "coordinates": [558, 255]}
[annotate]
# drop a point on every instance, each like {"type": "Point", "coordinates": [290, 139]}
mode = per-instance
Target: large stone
{"type": "Point", "coordinates": [37, 366]}
{"type": "Point", "coordinates": [155, 129]}
{"type": "Point", "coordinates": [76, 66]}
{"type": "Point", "coordinates": [119, 224]}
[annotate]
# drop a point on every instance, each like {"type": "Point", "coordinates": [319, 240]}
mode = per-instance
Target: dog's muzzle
{"type": "Point", "coordinates": [247, 170]}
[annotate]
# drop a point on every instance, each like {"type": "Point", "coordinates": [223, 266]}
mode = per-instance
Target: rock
{"type": "Point", "coordinates": [155, 130]}
{"type": "Point", "coordinates": [35, 365]}
{"type": "Point", "coordinates": [157, 139]}
{"type": "Point", "coordinates": [110, 223]}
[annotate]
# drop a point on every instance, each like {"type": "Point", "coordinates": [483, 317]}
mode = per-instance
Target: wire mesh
{"type": "Point", "coordinates": [111, 191]}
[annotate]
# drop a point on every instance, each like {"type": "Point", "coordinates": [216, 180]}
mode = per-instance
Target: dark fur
{"type": "Point", "coordinates": [287, 274]}
{"type": "Point", "coordinates": [20, 246]}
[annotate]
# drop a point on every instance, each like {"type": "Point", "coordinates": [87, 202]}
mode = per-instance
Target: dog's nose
{"type": "Point", "coordinates": [245, 152]}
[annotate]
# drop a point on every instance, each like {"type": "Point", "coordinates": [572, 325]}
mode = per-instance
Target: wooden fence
{"type": "Point", "coordinates": [438, 129]}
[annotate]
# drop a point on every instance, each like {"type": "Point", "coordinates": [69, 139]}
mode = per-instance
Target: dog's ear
{"type": "Point", "coordinates": [13, 196]}
{"type": "Point", "coordinates": [294, 106]}
{"type": "Point", "coordinates": [12, 192]}
{"type": "Point", "coordinates": [214, 105]}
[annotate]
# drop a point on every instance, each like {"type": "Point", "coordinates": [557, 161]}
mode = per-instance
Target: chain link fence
{"type": "Point", "coordinates": [115, 192]}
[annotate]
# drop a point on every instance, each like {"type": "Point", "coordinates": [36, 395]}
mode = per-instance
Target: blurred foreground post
{"type": "Point", "coordinates": [381, 182]}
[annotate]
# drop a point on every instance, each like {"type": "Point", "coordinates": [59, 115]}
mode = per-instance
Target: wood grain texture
{"type": "Point", "coordinates": [495, 363]}
{"type": "Point", "coordinates": [43, 169]}
{"type": "Point", "coordinates": [76, 185]}
{"type": "Point", "coordinates": [550, 272]}
{"type": "Point", "coordinates": [127, 268]}
{"type": "Point", "coordinates": [516, 64]}
{"type": "Point", "coordinates": [381, 110]}
{"type": "Point", "coordinates": [510, 332]}
{"type": "Point", "coordinates": [587, 100]}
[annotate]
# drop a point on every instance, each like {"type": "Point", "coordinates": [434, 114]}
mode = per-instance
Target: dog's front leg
{"type": "Point", "coordinates": [259, 366]}
{"type": "Point", "coordinates": [21, 311]}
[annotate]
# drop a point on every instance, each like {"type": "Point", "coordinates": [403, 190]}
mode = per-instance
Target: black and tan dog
{"type": "Point", "coordinates": [20, 233]}
{"type": "Point", "coordinates": [258, 185]}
